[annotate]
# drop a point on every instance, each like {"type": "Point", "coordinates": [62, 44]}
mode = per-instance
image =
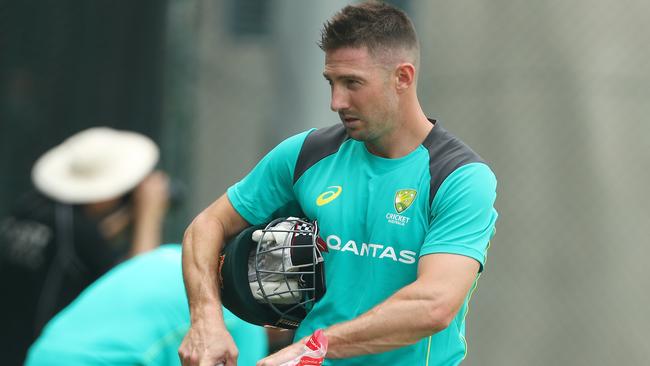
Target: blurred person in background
{"type": "Point", "coordinates": [136, 314]}
{"type": "Point", "coordinates": [406, 209]}
{"type": "Point", "coordinates": [98, 201]}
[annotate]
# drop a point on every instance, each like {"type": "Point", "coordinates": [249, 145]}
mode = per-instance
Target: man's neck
{"type": "Point", "coordinates": [408, 133]}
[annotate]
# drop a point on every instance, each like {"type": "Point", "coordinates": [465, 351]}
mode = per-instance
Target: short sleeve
{"type": "Point", "coordinates": [269, 186]}
{"type": "Point", "coordinates": [463, 216]}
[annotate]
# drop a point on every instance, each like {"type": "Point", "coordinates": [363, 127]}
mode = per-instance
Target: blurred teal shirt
{"type": "Point", "coordinates": [136, 314]}
{"type": "Point", "coordinates": [377, 216]}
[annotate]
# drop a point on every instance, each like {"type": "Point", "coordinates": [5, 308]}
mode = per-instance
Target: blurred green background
{"type": "Point", "coordinates": [553, 94]}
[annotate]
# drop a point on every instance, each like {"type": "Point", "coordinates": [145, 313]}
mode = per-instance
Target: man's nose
{"type": "Point", "coordinates": [339, 100]}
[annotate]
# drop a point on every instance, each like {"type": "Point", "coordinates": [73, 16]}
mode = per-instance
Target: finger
{"type": "Point", "coordinates": [232, 361]}
{"type": "Point", "coordinates": [265, 361]}
{"type": "Point", "coordinates": [257, 234]}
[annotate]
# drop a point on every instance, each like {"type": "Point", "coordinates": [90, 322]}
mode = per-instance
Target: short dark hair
{"type": "Point", "coordinates": [372, 24]}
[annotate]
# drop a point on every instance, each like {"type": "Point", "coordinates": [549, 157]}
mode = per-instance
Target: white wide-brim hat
{"type": "Point", "coordinates": [95, 165]}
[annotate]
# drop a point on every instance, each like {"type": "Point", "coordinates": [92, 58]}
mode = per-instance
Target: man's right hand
{"type": "Point", "coordinates": [208, 345]}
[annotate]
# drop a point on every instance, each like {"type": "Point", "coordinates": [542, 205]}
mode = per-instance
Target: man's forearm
{"type": "Point", "coordinates": [207, 342]}
{"type": "Point", "coordinates": [401, 320]}
{"type": "Point", "coordinates": [202, 245]}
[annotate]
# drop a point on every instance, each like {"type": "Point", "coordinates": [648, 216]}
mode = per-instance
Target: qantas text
{"type": "Point", "coordinates": [379, 251]}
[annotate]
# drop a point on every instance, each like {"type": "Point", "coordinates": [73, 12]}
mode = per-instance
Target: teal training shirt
{"type": "Point", "coordinates": [378, 216]}
{"type": "Point", "coordinates": [136, 314]}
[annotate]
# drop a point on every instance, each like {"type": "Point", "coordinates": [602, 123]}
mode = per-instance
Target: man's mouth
{"type": "Point", "coordinates": [349, 119]}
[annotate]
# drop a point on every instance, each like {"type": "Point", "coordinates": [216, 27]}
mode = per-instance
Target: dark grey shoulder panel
{"type": "Point", "coordinates": [318, 145]}
{"type": "Point", "coordinates": [446, 154]}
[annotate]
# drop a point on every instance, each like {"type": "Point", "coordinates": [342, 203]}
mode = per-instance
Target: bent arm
{"type": "Point", "coordinates": [151, 202]}
{"type": "Point", "coordinates": [202, 245]}
{"type": "Point", "coordinates": [425, 307]}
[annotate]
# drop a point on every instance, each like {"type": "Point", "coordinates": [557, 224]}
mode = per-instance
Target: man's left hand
{"type": "Point", "coordinates": [308, 351]}
{"type": "Point", "coordinates": [284, 355]}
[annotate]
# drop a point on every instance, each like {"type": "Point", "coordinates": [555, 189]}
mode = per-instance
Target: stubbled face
{"type": "Point", "coordinates": [363, 93]}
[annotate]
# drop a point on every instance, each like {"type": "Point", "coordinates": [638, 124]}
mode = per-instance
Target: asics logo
{"type": "Point", "coordinates": [329, 196]}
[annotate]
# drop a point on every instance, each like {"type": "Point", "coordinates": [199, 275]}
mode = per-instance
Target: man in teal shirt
{"type": "Point", "coordinates": [136, 314]}
{"type": "Point", "coordinates": [406, 210]}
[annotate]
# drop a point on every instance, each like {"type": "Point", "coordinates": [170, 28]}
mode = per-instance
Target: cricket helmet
{"type": "Point", "coordinates": [272, 274]}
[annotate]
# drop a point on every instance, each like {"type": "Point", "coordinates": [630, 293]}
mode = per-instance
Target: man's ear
{"type": "Point", "coordinates": [404, 76]}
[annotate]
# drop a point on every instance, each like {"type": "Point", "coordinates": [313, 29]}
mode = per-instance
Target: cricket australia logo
{"type": "Point", "coordinates": [403, 200]}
